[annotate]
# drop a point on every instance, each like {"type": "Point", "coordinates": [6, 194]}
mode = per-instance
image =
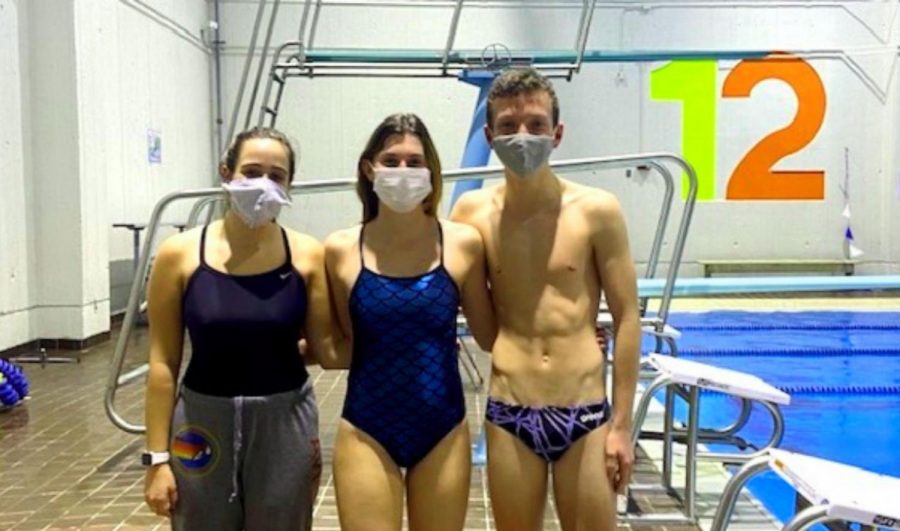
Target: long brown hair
{"type": "Point", "coordinates": [397, 124]}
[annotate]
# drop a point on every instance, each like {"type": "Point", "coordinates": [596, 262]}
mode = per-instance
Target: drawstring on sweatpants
{"type": "Point", "coordinates": [238, 434]}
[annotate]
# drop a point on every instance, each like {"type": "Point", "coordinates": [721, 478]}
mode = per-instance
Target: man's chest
{"type": "Point", "coordinates": [541, 250]}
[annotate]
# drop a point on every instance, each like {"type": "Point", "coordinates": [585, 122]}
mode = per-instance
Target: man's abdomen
{"type": "Point", "coordinates": [541, 370]}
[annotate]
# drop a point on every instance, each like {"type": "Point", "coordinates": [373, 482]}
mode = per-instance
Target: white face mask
{"type": "Point", "coordinates": [523, 153]}
{"type": "Point", "coordinates": [257, 201]}
{"type": "Point", "coordinates": [402, 189]}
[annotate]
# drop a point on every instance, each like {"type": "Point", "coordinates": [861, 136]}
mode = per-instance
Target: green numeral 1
{"type": "Point", "coordinates": [694, 84]}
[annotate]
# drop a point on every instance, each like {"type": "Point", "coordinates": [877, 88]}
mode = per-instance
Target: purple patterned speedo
{"type": "Point", "coordinates": [550, 430]}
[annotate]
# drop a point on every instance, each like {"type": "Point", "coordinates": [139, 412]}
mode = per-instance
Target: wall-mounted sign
{"type": "Point", "coordinates": [154, 146]}
{"type": "Point", "coordinates": [694, 84]}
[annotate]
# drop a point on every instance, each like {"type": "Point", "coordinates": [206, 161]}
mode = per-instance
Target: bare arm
{"type": "Point", "coordinates": [464, 208]}
{"type": "Point", "coordinates": [326, 341]}
{"type": "Point", "coordinates": [619, 281]}
{"type": "Point", "coordinates": [476, 300]}
{"type": "Point", "coordinates": [477, 304]}
{"type": "Point", "coordinates": [337, 292]}
{"type": "Point", "coordinates": [166, 340]}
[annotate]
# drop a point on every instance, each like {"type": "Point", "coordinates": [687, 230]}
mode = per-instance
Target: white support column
{"type": "Point", "coordinates": [71, 256]}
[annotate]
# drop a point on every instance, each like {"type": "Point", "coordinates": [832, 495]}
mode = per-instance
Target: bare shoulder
{"type": "Point", "coordinates": [304, 243]}
{"type": "Point", "coordinates": [596, 204]}
{"type": "Point", "coordinates": [177, 256]}
{"type": "Point", "coordinates": [471, 203]}
{"type": "Point", "coordinates": [462, 235]}
{"type": "Point", "coordinates": [341, 242]}
{"type": "Point", "coordinates": [178, 246]}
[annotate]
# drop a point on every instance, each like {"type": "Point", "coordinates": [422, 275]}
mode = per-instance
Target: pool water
{"type": "Point", "coordinates": [842, 370]}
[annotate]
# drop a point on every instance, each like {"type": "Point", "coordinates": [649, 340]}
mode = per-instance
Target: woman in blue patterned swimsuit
{"type": "Point", "coordinates": [398, 281]}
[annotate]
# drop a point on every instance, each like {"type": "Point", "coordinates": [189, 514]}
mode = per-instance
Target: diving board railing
{"type": "Point", "coordinates": [654, 160]}
{"type": "Point", "coordinates": [450, 60]}
{"type": "Point", "coordinates": [447, 61]}
{"type": "Point", "coordinates": [301, 57]}
{"type": "Point", "coordinates": [293, 60]}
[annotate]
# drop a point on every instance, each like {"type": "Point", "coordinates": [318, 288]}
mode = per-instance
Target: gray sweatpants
{"type": "Point", "coordinates": [250, 463]}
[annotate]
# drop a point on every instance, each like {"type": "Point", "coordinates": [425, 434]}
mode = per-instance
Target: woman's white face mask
{"type": "Point", "coordinates": [402, 189]}
{"type": "Point", "coordinates": [257, 201]}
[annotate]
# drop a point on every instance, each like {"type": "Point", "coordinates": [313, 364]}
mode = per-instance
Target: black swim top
{"type": "Point", "coordinates": [244, 329]}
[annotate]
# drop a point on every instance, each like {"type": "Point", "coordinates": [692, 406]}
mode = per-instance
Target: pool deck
{"type": "Point", "coordinates": [64, 466]}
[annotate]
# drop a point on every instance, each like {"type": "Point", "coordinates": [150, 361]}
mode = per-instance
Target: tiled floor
{"type": "Point", "coordinates": [64, 466]}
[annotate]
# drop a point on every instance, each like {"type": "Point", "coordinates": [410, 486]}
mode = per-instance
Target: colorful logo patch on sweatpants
{"type": "Point", "coordinates": [195, 449]}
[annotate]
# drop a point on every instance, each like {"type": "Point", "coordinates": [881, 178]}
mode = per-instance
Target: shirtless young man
{"type": "Point", "coordinates": [552, 246]}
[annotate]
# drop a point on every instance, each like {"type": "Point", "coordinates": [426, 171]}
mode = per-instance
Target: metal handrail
{"type": "Point", "coordinates": [584, 31]}
{"type": "Point", "coordinates": [729, 498]}
{"type": "Point", "coordinates": [773, 442]}
{"type": "Point", "coordinates": [236, 111]}
{"type": "Point", "coordinates": [115, 379]}
{"type": "Point", "coordinates": [262, 62]}
{"type": "Point", "coordinates": [451, 35]}
{"type": "Point", "coordinates": [273, 73]}
{"type": "Point", "coordinates": [194, 215]}
{"type": "Point", "coordinates": [661, 226]}
{"type": "Point", "coordinates": [693, 434]}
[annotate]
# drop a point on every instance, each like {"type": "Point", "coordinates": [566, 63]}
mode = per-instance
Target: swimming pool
{"type": "Point", "coordinates": [841, 368]}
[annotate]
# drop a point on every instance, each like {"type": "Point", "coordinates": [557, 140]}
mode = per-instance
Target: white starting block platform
{"type": "Point", "coordinates": [692, 373]}
{"type": "Point", "coordinates": [685, 379]}
{"type": "Point", "coordinates": [837, 492]}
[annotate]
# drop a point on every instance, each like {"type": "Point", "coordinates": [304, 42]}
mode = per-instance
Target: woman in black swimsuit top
{"type": "Point", "coordinates": [239, 448]}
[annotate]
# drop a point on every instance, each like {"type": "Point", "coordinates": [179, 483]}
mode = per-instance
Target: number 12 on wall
{"type": "Point", "coordinates": [693, 83]}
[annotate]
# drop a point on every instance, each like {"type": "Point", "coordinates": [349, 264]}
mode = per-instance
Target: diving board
{"type": "Point", "coordinates": [837, 492]}
{"type": "Point", "coordinates": [361, 56]}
